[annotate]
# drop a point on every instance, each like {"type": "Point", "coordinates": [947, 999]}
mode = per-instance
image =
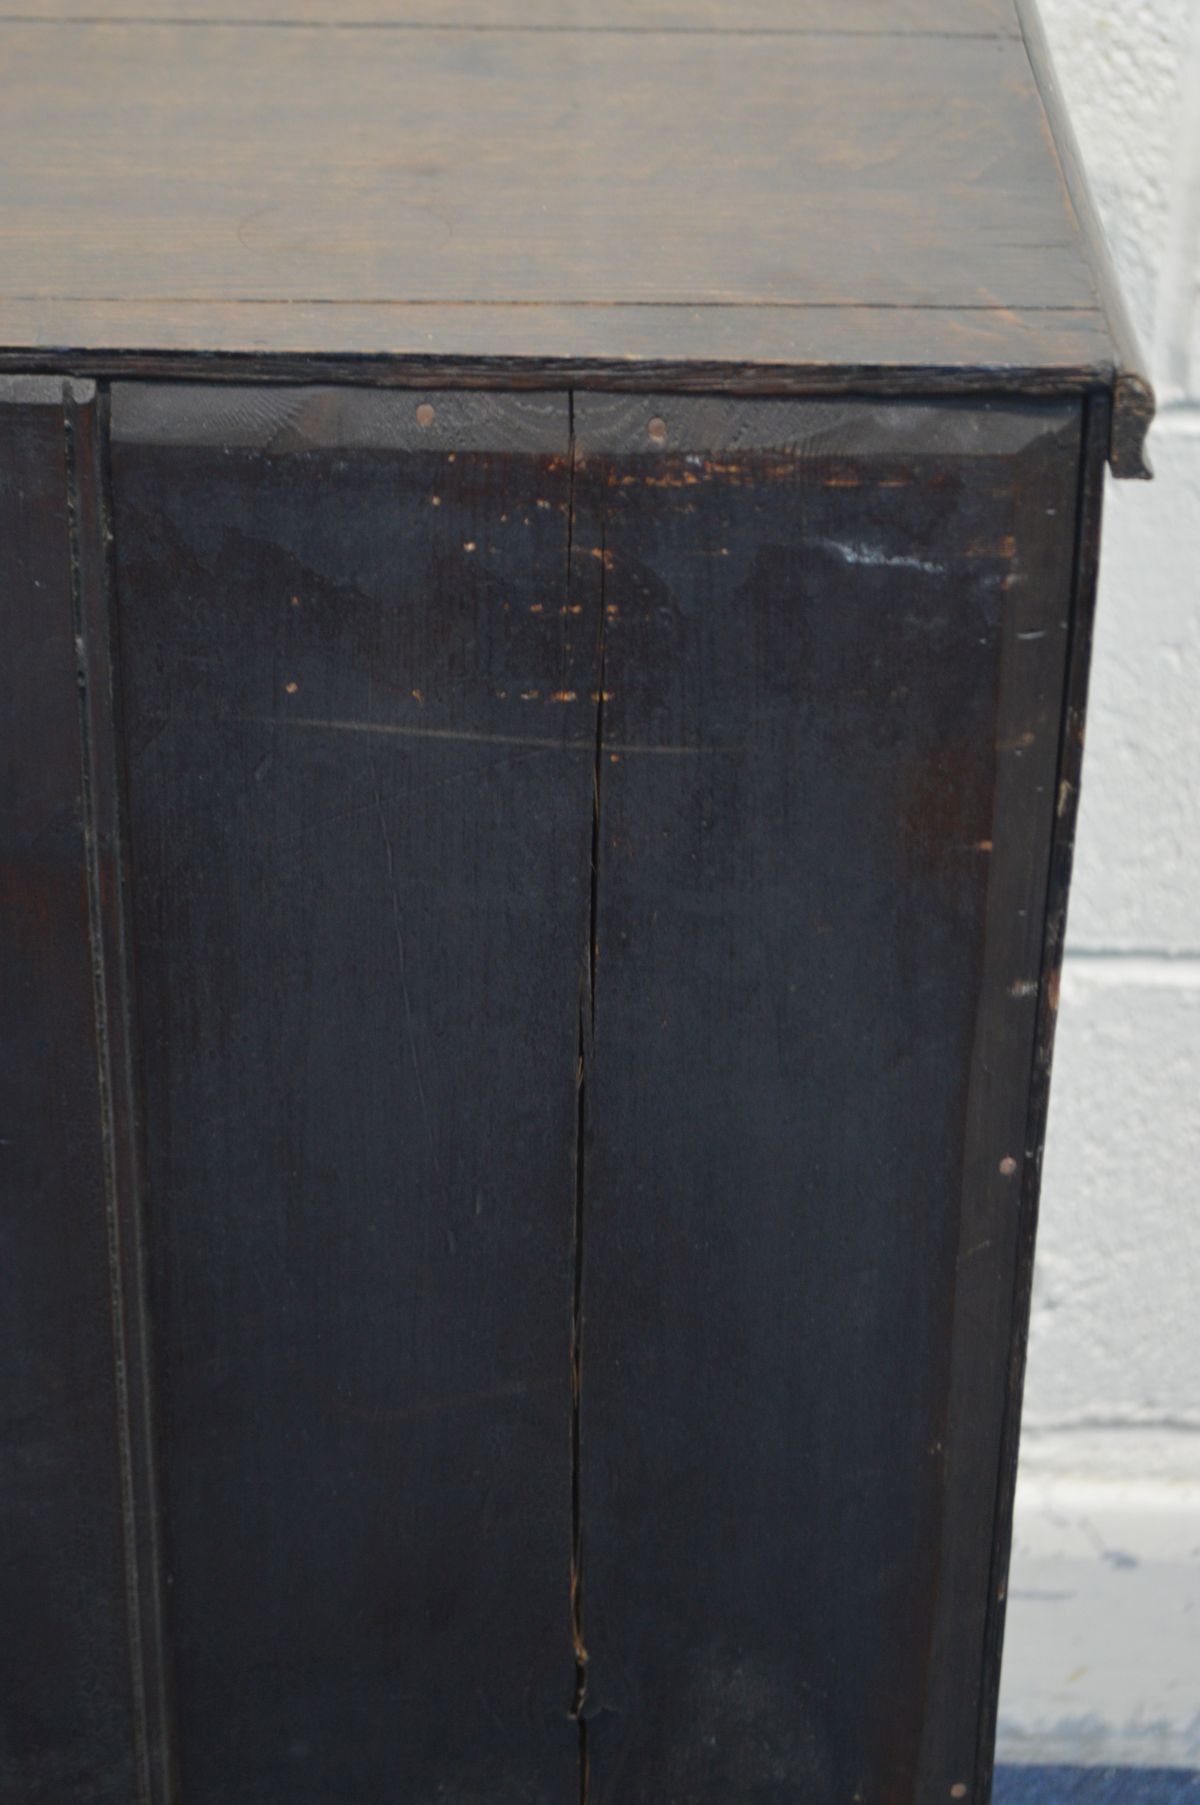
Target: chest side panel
{"type": "Point", "coordinates": [359, 805]}
{"type": "Point", "coordinates": [66, 1688]}
{"type": "Point", "coordinates": [833, 660]}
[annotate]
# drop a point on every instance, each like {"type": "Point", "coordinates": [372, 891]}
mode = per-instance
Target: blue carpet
{"type": "Point", "coordinates": [1095, 1786]}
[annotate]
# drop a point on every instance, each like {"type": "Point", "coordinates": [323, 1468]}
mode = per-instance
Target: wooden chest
{"type": "Point", "coordinates": [547, 556]}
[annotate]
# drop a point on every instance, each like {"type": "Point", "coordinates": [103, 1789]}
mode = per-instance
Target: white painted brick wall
{"type": "Point", "coordinates": [1103, 1651]}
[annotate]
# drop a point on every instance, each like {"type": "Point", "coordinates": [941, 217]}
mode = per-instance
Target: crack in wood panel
{"type": "Point", "coordinates": [85, 426]}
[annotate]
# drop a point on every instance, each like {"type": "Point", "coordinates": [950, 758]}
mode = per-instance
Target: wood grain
{"type": "Point", "coordinates": [595, 866]}
{"type": "Point", "coordinates": [746, 350]}
{"type": "Point", "coordinates": [487, 188]}
{"type": "Point", "coordinates": [161, 163]}
{"type": "Point", "coordinates": [66, 1697]}
{"type": "Point", "coordinates": [842, 630]}
{"type": "Point", "coordinates": [359, 731]}
{"type": "Point", "coordinates": [872, 18]}
{"type": "Point", "coordinates": [1097, 438]}
{"type": "Point", "coordinates": [1038, 604]}
{"type": "Point", "coordinates": [86, 421]}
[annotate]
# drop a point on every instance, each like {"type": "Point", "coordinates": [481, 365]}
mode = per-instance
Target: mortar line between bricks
{"type": "Point", "coordinates": [1150, 968]}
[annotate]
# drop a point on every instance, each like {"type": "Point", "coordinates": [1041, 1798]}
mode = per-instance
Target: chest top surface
{"type": "Point", "coordinates": [662, 188]}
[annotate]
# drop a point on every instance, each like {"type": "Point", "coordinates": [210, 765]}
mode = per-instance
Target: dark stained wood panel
{"type": "Point", "coordinates": [869, 17]}
{"type": "Point", "coordinates": [164, 163]}
{"type": "Point", "coordinates": [360, 736]}
{"type": "Point", "coordinates": [66, 1694]}
{"type": "Point", "coordinates": [688, 193]}
{"type": "Point", "coordinates": [1072, 728]}
{"type": "Point", "coordinates": [760, 349]}
{"type": "Point", "coordinates": [833, 657]}
{"type": "Point", "coordinates": [544, 755]}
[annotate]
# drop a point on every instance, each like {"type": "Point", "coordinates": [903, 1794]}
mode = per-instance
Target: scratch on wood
{"type": "Point", "coordinates": [401, 730]}
{"type": "Point", "coordinates": [869, 555]}
{"type": "Point", "coordinates": [543, 741]}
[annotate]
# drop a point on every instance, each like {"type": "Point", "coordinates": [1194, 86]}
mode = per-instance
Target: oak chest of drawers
{"type": "Point", "coordinates": [547, 556]}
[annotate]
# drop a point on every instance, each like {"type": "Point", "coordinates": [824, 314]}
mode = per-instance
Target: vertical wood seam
{"type": "Point", "coordinates": [1094, 437]}
{"type": "Point", "coordinates": [585, 1044]}
{"type": "Point", "coordinates": [90, 542]}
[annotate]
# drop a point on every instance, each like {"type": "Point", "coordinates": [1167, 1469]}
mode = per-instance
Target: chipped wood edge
{"type": "Point", "coordinates": [1097, 438]}
{"type": "Point", "coordinates": [1133, 398]}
